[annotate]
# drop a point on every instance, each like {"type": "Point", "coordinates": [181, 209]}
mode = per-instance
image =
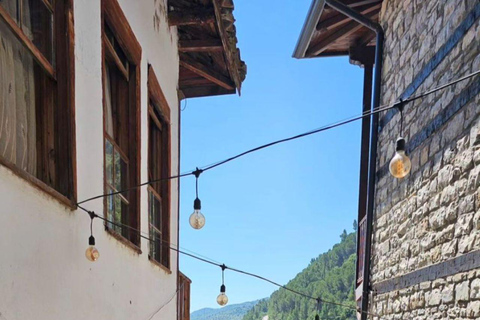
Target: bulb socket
{"type": "Point", "coordinates": [197, 204]}
{"type": "Point", "coordinates": [400, 144]}
{"type": "Point", "coordinates": [91, 241]}
{"type": "Point", "coordinates": [222, 288]}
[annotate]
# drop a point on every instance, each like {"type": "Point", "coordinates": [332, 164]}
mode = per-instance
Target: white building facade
{"type": "Point", "coordinates": [89, 96]}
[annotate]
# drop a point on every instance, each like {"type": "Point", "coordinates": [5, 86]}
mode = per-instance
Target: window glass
{"type": "Point", "coordinates": [11, 6]}
{"type": "Point", "coordinates": [37, 24]}
{"type": "Point", "coordinates": [109, 162]}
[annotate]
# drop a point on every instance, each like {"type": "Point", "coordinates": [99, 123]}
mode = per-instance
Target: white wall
{"type": "Point", "coordinates": [43, 270]}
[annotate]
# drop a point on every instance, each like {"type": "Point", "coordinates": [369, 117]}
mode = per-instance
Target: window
{"type": "Point", "coordinates": [121, 121]}
{"type": "Point", "coordinates": [158, 168]}
{"type": "Point", "coordinates": [36, 93]}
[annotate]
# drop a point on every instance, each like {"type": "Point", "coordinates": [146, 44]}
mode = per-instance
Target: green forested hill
{"type": "Point", "coordinates": [230, 312]}
{"type": "Point", "coordinates": [330, 276]}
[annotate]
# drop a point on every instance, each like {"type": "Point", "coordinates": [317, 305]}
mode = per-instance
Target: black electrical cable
{"type": "Point", "coordinates": [198, 171]}
{"type": "Point", "coordinates": [321, 129]}
{"type": "Point", "coordinates": [223, 266]}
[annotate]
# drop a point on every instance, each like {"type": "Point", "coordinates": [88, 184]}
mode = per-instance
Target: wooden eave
{"type": "Point", "coordinates": [329, 33]}
{"type": "Point", "coordinates": [210, 62]}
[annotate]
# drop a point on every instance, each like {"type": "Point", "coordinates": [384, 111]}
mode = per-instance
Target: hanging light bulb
{"type": "Point", "coordinates": [92, 253]}
{"type": "Point", "coordinates": [197, 219]}
{"type": "Point", "coordinates": [222, 298]}
{"type": "Point", "coordinates": [400, 164]}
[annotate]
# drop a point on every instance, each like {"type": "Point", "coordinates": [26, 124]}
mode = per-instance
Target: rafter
{"type": "Point", "coordinates": [200, 45]}
{"type": "Point", "coordinates": [340, 34]}
{"type": "Point", "coordinates": [191, 17]}
{"type": "Point", "coordinates": [208, 73]}
{"type": "Point", "coordinates": [340, 19]}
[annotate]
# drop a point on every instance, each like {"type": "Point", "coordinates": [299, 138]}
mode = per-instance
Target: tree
{"type": "Point", "coordinates": [355, 225]}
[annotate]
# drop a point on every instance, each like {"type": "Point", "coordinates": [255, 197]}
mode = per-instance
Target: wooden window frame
{"type": "Point", "coordinates": [64, 77]}
{"type": "Point", "coordinates": [158, 101]}
{"type": "Point", "coordinates": [113, 15]}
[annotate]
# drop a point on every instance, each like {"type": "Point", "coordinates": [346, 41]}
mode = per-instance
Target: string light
{"type": "Point", "coordinates": [197, 204]}
{"type": "Point", "coordinates": [400, 164]}
{"type": "Point", "coordinates": [92, 253]}
{"type": "Point", "coordinates": [222, 298]}
{"type": "Point", "coordinates": [211, 262]}
{"type": "Point", "coordinates": [197, 219]}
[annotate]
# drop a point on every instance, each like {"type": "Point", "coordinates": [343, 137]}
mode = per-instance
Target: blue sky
{"type": "Point", "coordinates": [270, 212]}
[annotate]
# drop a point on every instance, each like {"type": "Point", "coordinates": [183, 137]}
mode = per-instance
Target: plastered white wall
{"type": "Point", "coordinates": [43, 270]}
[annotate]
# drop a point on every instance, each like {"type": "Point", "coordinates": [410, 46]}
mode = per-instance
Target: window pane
{"type": "Point", "coordinates": [109, 161]}
{"type": "Point", "coordinates": [110, 208]}
{"type": "Point", "coordinates": [20, 80]}
{"type": "Point", "coordinates": [155, 211]}
{"type": "Point", "coordinates": [155, 245]}
{"type": "Point", "coordinates": [120, 168]}
{"type": "Point", "coordinates": [11, 7]}
{"type": "Point", "coordinates": [37, 24]}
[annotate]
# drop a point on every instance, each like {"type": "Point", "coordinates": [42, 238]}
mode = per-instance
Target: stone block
{"type": "Point", "coordinates": [473, 310]}
{"type": "Point", "coordinates": [462, 291]}
{"type": "Point", "coordinates": [475, 289]}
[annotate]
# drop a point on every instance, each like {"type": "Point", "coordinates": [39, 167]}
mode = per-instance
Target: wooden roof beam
{"type": "Point", "coordinates": [355, 4]}
{"type": "Point", "coordinates": [340, 34]}
{"type": "Point", "coordinates": [341, 19]}
{"type": "Point", "coordinates": [200, 45]}
{"type": "Point", "coordinates": [209, 74]}
{"type": "Point", "coordinates": [192, 16]}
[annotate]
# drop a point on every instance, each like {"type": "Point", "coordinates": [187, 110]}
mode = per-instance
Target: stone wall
{"type": "Point", "coordinates": [433, 214]}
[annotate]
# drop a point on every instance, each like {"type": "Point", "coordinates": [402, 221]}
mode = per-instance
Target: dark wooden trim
{"type": "Point", "coordinates": [433, 63]}
{"type": "Point", "coordinates": [113, 15]}
{"type": "Point", "coordinates": [117, 21]}
{"type": "Point", "coordinates": [205, 91]}
{"type": "Point", "coordinates": [127, 243]}
{"type": "Point", "coordinates": [114, 56]}
{"type": "Point", "coordinates": [39, 184]}
{"type": "Point", "coordinates": [155, 95]}
{"type": "Point", "coordinates": [438, 122]}
{"type": "Point", "coordinates": [28, 44]}
{"type": "Point", "coordinates": [65, 113]}
{"type": "Point", "coordinates": [193, 17]}
{"type": "Point", "coordinates": [209, 74]}
{"type": "Point", "coordinates": [463, 263]}
{"type": "Point", "coordinates": [159, 265]}
{"type": "Point", "coordinates": [200, 45]}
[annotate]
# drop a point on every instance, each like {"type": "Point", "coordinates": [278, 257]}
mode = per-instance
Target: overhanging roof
{"type": "Point", "coordinates": [210, 62]}
{"type": "Point", "coordinates": [327, 32]}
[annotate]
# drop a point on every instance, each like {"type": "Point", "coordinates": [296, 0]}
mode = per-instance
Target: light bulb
{"type": "Point", "coordinates": [197, 219]}
{"type": "Point", "coordinates": [222, 298]}
{"type": "Point", "coordinates": [400, 164]}
{"type": "Point", "coordinates": [92, 253]}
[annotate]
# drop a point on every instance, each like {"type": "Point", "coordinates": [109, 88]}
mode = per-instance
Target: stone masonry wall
{"type": "Point", "coordinates": [433, 214]}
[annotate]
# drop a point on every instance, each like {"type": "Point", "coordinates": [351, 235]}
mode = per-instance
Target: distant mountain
{"type": "Point", "coordinates": [330, 276]}
{"type": "Point", "coordinates": [229, 312]}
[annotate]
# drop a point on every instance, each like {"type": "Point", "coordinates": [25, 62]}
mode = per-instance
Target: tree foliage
{"type": "Point", "coordinates": [331, 276]}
